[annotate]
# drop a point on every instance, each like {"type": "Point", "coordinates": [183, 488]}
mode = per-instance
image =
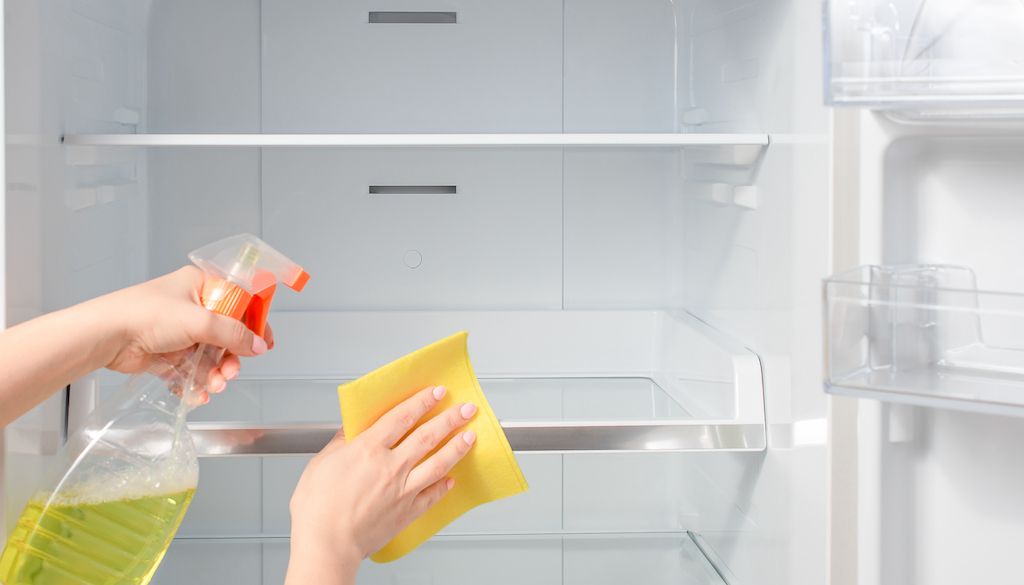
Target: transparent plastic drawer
{"type": "Point", "coordinates": [928, 59]}
{"type": "Point", "coordinates": [925, 335]}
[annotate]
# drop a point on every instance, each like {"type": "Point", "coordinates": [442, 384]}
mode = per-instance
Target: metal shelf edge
{"type": "Point", "coordinates": [221, 441]}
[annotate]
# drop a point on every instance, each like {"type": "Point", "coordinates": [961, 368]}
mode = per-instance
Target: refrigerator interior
{"type": "Point", "coordinates": [673, 286]}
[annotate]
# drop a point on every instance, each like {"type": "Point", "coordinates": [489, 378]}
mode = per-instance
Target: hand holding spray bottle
{"type": "Point", "coordinates": [130, 472]}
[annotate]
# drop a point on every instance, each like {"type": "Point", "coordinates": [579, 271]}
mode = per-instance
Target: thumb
{"type": "Point", "coordinates": [231, 334]}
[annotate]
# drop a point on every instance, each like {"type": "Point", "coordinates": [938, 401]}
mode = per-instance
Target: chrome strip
{"type": "Point", "coordinates": [214, 440]}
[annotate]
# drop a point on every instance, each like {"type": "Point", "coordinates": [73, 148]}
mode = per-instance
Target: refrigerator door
{"type": "Point", "coordinates": [925, 477]}
{"type": "Point", "coordinates": [922, 337]}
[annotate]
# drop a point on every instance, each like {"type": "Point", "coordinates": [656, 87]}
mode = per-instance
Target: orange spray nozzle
{"type": "Point", "coordinates": [242, 276]}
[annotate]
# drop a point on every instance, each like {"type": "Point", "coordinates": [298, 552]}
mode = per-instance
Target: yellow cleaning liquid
{"type": "Point", "coordinates": [118, 542]}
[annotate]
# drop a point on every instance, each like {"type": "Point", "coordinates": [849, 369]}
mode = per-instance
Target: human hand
{"type": "Point", "coordinates": [353, 498]}
{"type": "Point", "coordinates": [163, 319]}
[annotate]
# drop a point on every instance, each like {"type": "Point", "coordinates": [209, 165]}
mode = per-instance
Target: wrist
{"type": "Point", "coordinates": [322, 561]}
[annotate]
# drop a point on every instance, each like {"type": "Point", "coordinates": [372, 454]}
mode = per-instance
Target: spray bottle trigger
{"type": "Point", "coordinates": [255, 317]}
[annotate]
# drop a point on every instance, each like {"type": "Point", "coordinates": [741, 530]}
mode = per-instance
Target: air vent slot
{"type": "Point", "coordinates": [413, 190]}
{"type": "Point", "coordinates": [421, 17]}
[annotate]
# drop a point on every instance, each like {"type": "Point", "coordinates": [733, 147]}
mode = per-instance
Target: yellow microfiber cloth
{"type": "Point", "coordinates": [489, 472]}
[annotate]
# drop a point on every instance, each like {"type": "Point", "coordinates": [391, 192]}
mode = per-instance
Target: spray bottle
{"type": "Point", "coordinates": [130, 472]}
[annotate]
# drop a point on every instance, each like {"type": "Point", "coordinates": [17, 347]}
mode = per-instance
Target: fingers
{"type": "Point", "coordinates": [217, 383]}
{"type": "Point", "coordinates": [398, 421]}
{"type": "Point", "coordinates": [230, 366]}
{"type": "Point", "coordinates": [437, 466]}
{"type": "Point", "coordinates": [268, 336]}
{"type": "Point", "coordinates": [228, 370]}
{"type": "Point", "coordinates": [426, 499]}
{"type": "Point", "coordinates": [227, 333]}
{"type": "Point", "coordinates": [433, 432]}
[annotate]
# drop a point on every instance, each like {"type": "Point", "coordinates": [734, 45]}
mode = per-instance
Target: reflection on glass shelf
{"type": "Point", "coordinates": [925, 335]}
{"type": "Point", "coordinates": [513, 400]}
{"type": "Point", "coordinates": [954, 58]}
{"type": "Point", "coordinates": [670, 558]}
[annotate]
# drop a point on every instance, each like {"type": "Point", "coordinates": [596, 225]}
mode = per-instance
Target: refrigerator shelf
{"type": "Point", "coordinates": [676, 558]}
{"type": "Point", "coordinates": [928, 60]}
{"type": "Point", "coordinates": [509, 140]}
{"type": "Point", "coordinates": [559, 381]}
{"type": "Point", "coordinates": [924, 335]}
{"type": "Point", "coordinates": [537, 414]}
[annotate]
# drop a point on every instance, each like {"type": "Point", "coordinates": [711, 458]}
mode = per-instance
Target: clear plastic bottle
{"type": "Point", "coordinates": [129, 473]}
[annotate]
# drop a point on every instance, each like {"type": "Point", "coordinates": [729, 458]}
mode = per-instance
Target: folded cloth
{"type": "Point", "coordinates": [489, 472]}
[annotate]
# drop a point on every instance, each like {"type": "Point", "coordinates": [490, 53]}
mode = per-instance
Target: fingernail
{"type": "Point", "coordinates": [439, 392]}
{"type": "Point", "coordinates": [468, 410]}
{"type": "Point", "coordinates": [231, 375]}
{"type": "Point", "coordinates": [259, 345]}
{"type": "Point", "coordinates": [449, 483]}
{"type": "Point", "coordinates": [218, 386]}
{"type": "Point", "coordinates": [206, 399]}
{"type": "Point", "coordinates": [469, 437]}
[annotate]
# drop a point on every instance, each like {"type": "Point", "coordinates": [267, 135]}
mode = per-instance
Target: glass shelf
{"type": "Point", "coordinates": [595, 381]}
{"type": "Point", "coordinates": [948, 59]}
{"type": "Point", "coordinates": [676, 558]}
{"type": "Point", "coordinates": [538, 414]}
{"type": "Point", "coordinates": [925, 335]}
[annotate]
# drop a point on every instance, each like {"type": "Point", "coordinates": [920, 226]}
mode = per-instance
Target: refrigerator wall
{"type": "Point", "coordinates": [671, 286]}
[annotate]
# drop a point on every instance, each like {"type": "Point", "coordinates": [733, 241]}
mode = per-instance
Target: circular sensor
{"type": "Point", "coordinates": [412, 259]}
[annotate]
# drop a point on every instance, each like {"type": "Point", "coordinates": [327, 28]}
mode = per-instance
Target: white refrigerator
{"type": "Point", "coordinates": [734, 334]}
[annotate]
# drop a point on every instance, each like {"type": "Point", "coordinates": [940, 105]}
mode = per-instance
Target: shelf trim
{"type": "Point", "coordinates": [224, 440]}
{"type": "Point", "coordinates": [422, 140]}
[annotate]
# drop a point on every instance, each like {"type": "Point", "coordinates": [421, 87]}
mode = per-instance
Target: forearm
{"type": "Point", "coordinates": [40, 356]}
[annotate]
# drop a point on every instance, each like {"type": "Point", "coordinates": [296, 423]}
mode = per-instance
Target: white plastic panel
{"type": "Point", "coordinates": [227, 563]}
{"type": "Point", "coordinates": [327, 69]}
{"type": "Point", "coordinates": [103, 76]}
{"type": "Point", "coordinates": [204, 66]}
{"type": "Point", "coordinates": [340, 345]}
{"type": "Point", "coordinates": [90, 77]}
{"type": "Point", "coordinates": [228, 501]}
{"type": "Point", "coordinates": [496, 242]}
{"type": "Point", "coordinates": [954, 200]}
{"type": "Point", "coordinates": [733, 50]}
{"type": "Point", "coordinates": [947, 472]}
{"type": "Point", "coordinates": [621, 65]}
{"type": "Point", "coordinates": [623, 236]}
{"type": "Point", "coordinates": [198, 196]}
